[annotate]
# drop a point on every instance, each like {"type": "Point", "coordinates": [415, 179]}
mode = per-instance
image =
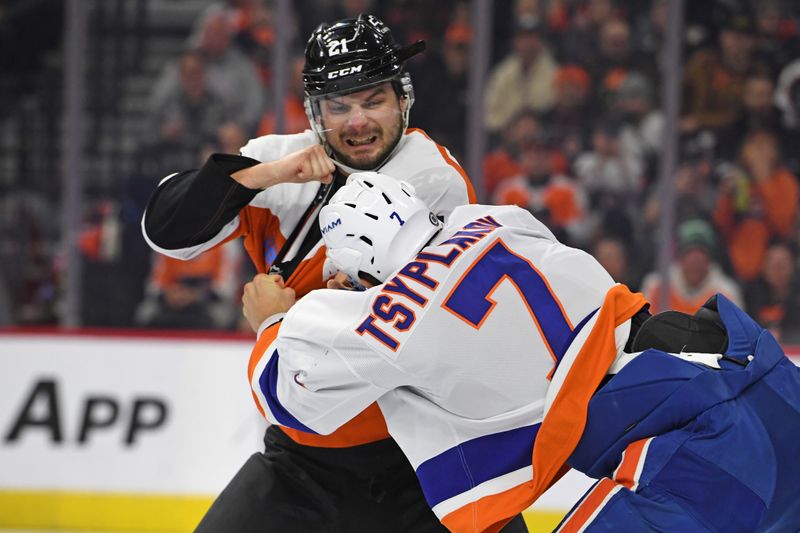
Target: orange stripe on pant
{"type": "Point", "coordinates": [626, 473]}
{"type": "Point", "coordinates": [588, 508]}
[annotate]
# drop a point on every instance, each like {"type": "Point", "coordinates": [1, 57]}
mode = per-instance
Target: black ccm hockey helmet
{"type": "Point", "coordinates": [352, 55]}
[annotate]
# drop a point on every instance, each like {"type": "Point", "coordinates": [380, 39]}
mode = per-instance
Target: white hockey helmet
{"type": "Point", "coordinates": [373, 225]}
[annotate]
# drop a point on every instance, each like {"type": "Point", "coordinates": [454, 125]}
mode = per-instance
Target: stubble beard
{"type": "Point", "coordinates": [373, 162]}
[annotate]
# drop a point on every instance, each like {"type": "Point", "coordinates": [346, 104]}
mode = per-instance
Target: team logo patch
{"type": "Point", "coordinates": [331, 225]}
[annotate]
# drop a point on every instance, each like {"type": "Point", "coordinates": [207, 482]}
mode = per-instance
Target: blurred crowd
{"type": "Point", "coordinates": [574, 118]}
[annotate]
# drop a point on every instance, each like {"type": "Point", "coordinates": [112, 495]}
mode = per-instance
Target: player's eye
{"type": "Point", "coordinates": [374, 103]}
{"type": "Point", "coordinates": [335, 108]}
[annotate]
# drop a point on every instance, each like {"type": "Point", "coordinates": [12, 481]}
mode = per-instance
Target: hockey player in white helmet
{"type": "Point", "coordinates": [446, 367]}
{"type": "Point", "coordinates": [500, 357]}
{"type": "Point", "coordinates": [373, 226]}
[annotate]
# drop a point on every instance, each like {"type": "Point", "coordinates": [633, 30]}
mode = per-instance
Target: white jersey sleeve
{"type": "Point", "coordinates": [318, 373]}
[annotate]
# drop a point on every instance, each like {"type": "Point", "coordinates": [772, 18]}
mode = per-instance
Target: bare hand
{"type": "Point", "coordinates": [265, 296]}
{"type": "Point", "coordinates": [308, 164]}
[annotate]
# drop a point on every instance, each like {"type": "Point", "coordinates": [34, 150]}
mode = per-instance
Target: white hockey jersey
{"type": "Point", "coordinates": [464, 348]}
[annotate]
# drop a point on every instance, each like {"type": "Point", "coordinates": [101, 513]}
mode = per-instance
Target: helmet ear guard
{"type": "Point", "coordinates": [374, 225]}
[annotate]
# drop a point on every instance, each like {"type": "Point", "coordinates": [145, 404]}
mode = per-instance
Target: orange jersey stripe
{"type": "Point", "coordinates": [259, 350]}
{"type": "Point", "coordinates": [452, 162]}
{"type": "Point", "coordinates": [368, 426]}
{"type": "Point", "coordinates": [564, 423]}
{"type": "Point", "coordinates": [626, 471]}
{"type": "Point", "coordinates": [488, 514]}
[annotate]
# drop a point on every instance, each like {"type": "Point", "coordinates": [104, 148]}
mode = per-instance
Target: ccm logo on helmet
{"type": "Point", "coordinates": [331, 225]}
{"type": "Point", "coordinates": [344, 72]}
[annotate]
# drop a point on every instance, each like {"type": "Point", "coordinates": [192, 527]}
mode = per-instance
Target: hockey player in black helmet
{"type": "Point", "coordinates": [357, 93]}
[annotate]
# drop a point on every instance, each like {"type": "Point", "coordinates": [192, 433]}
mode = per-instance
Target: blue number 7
{"type": "Point", "coordinates": [470, 300]}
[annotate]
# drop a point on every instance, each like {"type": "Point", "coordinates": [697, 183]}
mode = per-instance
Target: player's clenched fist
{"type": "Point", "coordinates": [265, 296]}
{"type": "Point", "coordinates": [308, 164]}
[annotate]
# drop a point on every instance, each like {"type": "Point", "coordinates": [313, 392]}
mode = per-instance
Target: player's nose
{"type": "Point", "coordinates": [357, 119]}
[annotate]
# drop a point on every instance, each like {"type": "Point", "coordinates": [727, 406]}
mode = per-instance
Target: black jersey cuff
{"type": "Point", "coordinates": [192, 207]}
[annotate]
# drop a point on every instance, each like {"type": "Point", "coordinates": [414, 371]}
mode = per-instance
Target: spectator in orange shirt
{"type": "Point", "coordinates": [757, 202]}
{"type": "Point", "coordinates": [501, 163]}
{"type": "Point", "coordinates": [194, 294]}
{"type": "Point", "coordinates": [694, 276]}
{"type": "Point", "coordinates": [553, 198]}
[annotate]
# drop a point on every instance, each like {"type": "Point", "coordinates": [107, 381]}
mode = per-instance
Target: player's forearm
{"type": "Point", "coordinates": [260, 176]}
{"type": "Point", "coordinates": [192, 207]}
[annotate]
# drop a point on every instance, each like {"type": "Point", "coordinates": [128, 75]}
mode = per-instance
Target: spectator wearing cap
{"type": "Point", "coordinates": [758, 201]}
{"type": "Point", "coordinates": [567, 120]}
{"type": "Point", "coordinates": [442, 84]}
{"type": "Point", "coordinates": [524, 79]}
{"type": "Point", "coordinates": [694, 276]}
{"type": "Point", "coordinates": [552, 197]}
{"type": "Point", "coordinates": [774, 298]}
{"type": "Point", "coordinates": [713, 80]}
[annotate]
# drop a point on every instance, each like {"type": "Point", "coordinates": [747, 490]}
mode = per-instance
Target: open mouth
{"type": "Point", "coordinates": [363, 141]}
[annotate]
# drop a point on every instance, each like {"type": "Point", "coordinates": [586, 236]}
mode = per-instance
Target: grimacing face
{"type": "Point", "coordinates": [361, 128]}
